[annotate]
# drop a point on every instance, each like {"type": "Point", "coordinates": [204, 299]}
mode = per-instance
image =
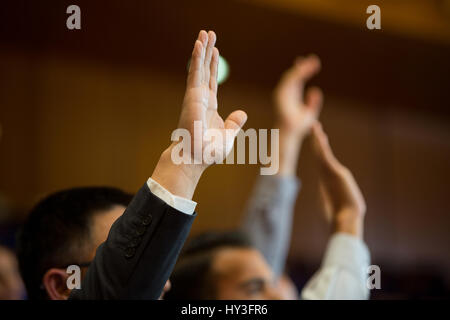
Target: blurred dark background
{"type": "Point", "coordinates": [96, 106]}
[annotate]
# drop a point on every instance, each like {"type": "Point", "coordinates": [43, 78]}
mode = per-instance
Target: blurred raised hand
{"type": "Point", "coordinates": [343, 201]}
{"type": "Point", "coordinates": [296, 111]}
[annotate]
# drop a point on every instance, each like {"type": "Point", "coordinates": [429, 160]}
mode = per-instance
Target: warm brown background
{"type": "Point", "coordinates": [97, 106]}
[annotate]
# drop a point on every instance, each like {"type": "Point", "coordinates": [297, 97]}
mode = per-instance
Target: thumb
{"type": "Point", "coordinates": [235, 121]}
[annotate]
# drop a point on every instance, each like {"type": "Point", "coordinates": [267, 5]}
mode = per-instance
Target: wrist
{"type": "Point", "coordinates": [290, 145]}
{"type": "Point", "coordinates": [349, 221]}
{"type": "Point", "coordinates": [179, 179]}
{"type": "Point", "coordinates": [290, 133]}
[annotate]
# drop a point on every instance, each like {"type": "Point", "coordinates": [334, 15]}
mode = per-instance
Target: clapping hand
{"type": "Point", "coordinates": [341, 196]}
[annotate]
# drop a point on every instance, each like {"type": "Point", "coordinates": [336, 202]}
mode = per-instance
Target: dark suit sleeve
{"type": "Point", "coordinates": [140, 252]}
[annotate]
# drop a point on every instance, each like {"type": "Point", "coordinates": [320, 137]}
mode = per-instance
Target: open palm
{"type": "Point", "coordinates": [200, 100]}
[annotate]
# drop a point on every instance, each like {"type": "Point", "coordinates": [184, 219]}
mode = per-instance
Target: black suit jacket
{"type": "Point", "coordinates": [140, 252]}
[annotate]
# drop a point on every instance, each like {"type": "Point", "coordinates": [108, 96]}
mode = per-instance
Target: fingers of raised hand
{"type": "Point", "coordinates": [203, 68]}
{"type": "Point", "coordinates": [196, 68]}
{"type": "Point", "coordinates": [322, 145]}
{"type": "Point", "coordinates": [306, 67]}
{"type": "Point", "coordinates": [211, 41]}
{"type": "Point", "coordinates": [214, 70]}
{"type": "Point", "coordinates": [303, 69]}
{"type": "Point", "coordinates": [195, 74]}
{"type": "Point", "coordinates": [293, 80]}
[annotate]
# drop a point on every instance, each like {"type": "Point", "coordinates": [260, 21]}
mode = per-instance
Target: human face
{"type": "Point", "coordinates": [243, 274]}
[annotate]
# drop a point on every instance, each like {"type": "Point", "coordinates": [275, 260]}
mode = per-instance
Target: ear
{"type": "Point", "coordinates": [55, 283]}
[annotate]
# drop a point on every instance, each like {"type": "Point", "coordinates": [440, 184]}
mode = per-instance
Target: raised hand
{"type": "Point", "coordinates": [199, 109]}
{"type": "Point", "coordinates": [200, 100]}
{"type": "Point", "coordinates": [342, 198]}
{"type": "Point", "coordinates": [296, 113]}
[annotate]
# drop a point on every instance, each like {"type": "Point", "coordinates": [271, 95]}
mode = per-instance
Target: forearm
{"type": "Point", "coordinates": [350, 222]}
{"type": "Point", "coordinates": [269, 213]}
{"type": "Point", "coordinates": [268, 217]}
{"type": "Point", "coordinates": [289, 146]}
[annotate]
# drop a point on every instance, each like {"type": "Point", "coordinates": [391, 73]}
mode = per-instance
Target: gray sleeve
{"type": "Point", "coordinates": [268, 217]}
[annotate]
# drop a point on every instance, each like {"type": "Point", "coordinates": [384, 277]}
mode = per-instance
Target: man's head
{"type": "Point", "coordinates": [63, 229]}
{"type": "Point", "coordinates": [222, 265]}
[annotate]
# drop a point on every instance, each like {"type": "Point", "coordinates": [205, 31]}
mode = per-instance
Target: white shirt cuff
{"type": "Point", "coordinates": [181, 204]}
{"type": "Point", "coordinates": [348, 252]}
{"type": "Point", "coordinates": [343, 273]}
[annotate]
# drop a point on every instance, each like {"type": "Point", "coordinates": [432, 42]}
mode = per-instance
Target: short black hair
{"type": "Point", "coordinates": [191, 278]}
{"type": "Point", "coordinates": [56, 233]}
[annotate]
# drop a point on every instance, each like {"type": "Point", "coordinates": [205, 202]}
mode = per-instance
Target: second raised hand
{"type": "Point", "coordinates": [200, 101]}
{"type": "Point", "coordinates": [296, 113]}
